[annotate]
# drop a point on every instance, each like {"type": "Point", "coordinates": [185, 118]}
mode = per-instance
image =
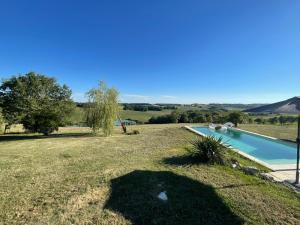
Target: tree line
{"type": "Point", "coordinates": [282, 120]}
{"type": "Point", "coordinates": [236, 117]}
{"type": "Point", "coordinates": [198, 116]}
{"type": "Point", "coordinates": [147, 107]}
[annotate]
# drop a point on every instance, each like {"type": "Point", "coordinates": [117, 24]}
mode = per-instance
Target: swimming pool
{"type": "Point", "coordinates": [262, 148]}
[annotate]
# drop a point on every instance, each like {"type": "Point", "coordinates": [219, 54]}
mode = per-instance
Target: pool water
{"type": "Point", "coordinates": [265, 149]}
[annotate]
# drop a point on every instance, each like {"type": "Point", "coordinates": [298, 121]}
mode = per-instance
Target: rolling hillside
{"type": "Point", "coordinates": [291, 106]}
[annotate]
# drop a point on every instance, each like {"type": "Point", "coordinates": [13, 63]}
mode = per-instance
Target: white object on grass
{"type": "Point", "coordinates": [229, 125]}
{"type": "Point", "coordinates": [163, 196]}
{"type": "Point", "coordinates": [216, 127]}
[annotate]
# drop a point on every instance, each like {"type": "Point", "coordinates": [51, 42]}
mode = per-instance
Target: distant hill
{"type": "Point", "coordinates": [234, 106]}
{"type": "Point", "coordinates": [291, 106]}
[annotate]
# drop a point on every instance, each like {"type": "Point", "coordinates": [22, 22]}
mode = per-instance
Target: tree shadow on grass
{"type": "Point", "coordinates": [134, 195]}
{"type": "Point", "coordinates": [182, 160]}
{"type": "Point", "coordinates": [17, 137]}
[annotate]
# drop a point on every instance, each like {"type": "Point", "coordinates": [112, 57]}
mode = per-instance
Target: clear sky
{"type": "Point", "coordinates": [243, 51]}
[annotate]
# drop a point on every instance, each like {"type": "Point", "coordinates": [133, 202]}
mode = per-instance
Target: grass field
{"type": "Point", "coordinates": [72, 177]}
{"type": "Point", "coordinates": [286, 132]}
{"type": "Point", "coordinates": [78, 116]}
{"type": "Point", "coordinates": [142, 116]}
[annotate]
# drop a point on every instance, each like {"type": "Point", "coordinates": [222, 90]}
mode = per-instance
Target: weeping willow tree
{"type": "Point", "coordinates": [102, 108]}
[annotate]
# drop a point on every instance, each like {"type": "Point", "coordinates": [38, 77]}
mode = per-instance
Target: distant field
{"type": "Point", "coordinates": [145, 116]}
{"type": "Point", "coordinates": [287, 132]}
{"type": "Point", "coordinates": [73, 177]}
{"type": "Point", "coordinates": [78, 115]}
{"type": "Point", "coordinates": [142, 116]}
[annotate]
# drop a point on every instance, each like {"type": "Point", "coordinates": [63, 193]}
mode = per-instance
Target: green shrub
{"type": "Point", "coordinates": [171, 118]}
{"type": "Point", "coordinates": [209, 150]}
{"type": "Point", "coordinates": [135, 132]}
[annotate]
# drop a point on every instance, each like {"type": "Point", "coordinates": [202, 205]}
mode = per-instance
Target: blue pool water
{"type": "Point", "coordinates": [264, 149]}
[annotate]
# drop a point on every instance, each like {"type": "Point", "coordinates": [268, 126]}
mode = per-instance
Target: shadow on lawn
{"type": "Point", "coordinates": [16, 137]}
{"type": "Point", "coordinates": [182, 160]}
{"type": "Point", "coordinates": [134, 195]}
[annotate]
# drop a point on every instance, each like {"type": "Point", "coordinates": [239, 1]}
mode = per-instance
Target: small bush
{"type": "Point", "coordinates": [209, 150]}
{"type": "Point", "coordinates": [135, 132]}
{"type": "Point", "coordinates": [163, 119]}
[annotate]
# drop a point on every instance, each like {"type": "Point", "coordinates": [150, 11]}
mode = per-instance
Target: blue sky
{"type": "Point", "coordinates": [158, 50]}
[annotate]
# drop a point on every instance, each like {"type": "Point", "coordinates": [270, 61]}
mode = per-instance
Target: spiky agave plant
{"type": "Point", "coordinates": [209, 150]}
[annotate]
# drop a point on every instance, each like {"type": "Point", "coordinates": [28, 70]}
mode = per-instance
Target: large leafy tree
{"type": "Point", "coordinates": [36, 101]}
{"type": "Point", "coordinates": [235, 118]}
{"type": "Point", "coordinates": [102, 108]}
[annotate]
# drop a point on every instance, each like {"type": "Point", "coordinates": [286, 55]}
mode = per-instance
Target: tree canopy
{"type": "Point", "coordinates": [235, 117]}
{"type": "Point", "coordinates": [36, 101]}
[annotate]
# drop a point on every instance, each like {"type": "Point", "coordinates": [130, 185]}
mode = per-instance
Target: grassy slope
{"type": "Point", "coordinates": [73, 177]}
{"type": "Point", "coordinates": [288, 132]}
{"type": "Point", "coordinates": [142, 116]}
{"type": "Point", "coordinates": [145, 116]}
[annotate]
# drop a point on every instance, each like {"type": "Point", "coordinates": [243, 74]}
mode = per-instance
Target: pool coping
{"type": "Point", "coordinates": [267, 165]}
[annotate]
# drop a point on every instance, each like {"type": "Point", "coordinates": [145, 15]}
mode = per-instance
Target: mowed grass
{"type": "Point", "coordinates": [285, 132]}
{"type": "Point", "coordinates": [73, 177]}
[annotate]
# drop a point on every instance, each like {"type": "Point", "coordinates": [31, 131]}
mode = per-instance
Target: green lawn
{"type": "Point", "coordinates": [286, 132]}
{"type": "Point", "coordinates": [75, 178]}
